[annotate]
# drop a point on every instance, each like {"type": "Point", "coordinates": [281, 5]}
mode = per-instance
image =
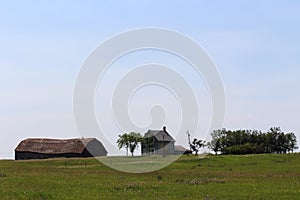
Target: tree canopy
{"type": "Point", "coordinates": [196, 145]}
{"type": "Point", "coordinates": [129, 141]}
{"type": "Point", "coordinates": [252, 141]}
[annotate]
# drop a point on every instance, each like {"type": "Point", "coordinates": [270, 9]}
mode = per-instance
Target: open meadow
{"type": "Point", "coordinates": [267, 176]}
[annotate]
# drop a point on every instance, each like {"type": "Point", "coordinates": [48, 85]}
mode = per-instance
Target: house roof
{"type": "Point", "coordinates": [160, 135]}
{"type": "Point", "coordinates": [181, 148]}
{"type": "Point", "coordinates": [53, 146]}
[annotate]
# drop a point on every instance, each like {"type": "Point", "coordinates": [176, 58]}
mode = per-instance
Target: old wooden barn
{"type": "Point", "coordinates": [41, 148]}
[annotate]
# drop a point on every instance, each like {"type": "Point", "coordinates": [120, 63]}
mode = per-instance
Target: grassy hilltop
{"type": "Point", "coordinates": [212, 177]}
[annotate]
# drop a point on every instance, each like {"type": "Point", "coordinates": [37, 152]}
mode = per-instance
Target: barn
{"type": "Point", "coordinates": [41, 148]}
{"type": "Point", "coordinates": [158, 142]}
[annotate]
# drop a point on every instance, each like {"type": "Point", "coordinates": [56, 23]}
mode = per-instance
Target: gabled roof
{"type": "Point", "coordinates": [53, 146]}
{"type": "Point", "coordinates": [160, 135]}
{"type": "Point", "coordinates": [181, 148]}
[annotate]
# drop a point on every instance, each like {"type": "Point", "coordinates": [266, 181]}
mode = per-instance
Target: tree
{"type": "Point", "coordinates": [123, 141]}
{"type": "Point", "coordinates": [217, 142]}
{"type": "Point", "coordinates": [196, 145]}
{"type": "Point", "coordinates": [134, 140]}
{"type": "Point", "coordinates": [252, 141]}
{"type": "Point", "coordinates": [149, 144]}
{"type": "Point", "coordinates": [129, 141]}
{"type": "Point", "coordinates": [291, 142]}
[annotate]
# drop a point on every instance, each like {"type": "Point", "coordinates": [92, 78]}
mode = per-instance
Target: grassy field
{"type": "Point", "coordinates": [211, 177]}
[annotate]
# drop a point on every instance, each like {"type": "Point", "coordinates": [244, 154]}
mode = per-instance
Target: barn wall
{"type": "Point", "coordinates": [32, 155]}
{"type": "Point", "coordinates": [95, 148]}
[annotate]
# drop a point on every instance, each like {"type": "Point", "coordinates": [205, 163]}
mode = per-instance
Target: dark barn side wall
{"type": "Point", "coordinates": [94, 148]}
{"type": "Point", "coordinates": [33, 155]}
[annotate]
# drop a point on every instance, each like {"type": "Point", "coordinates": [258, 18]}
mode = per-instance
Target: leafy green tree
{"type": "Point", "coordinates": [196, 145]}
{"type": "Point", "coordinates": [134, 140]}
{"type": "Point", "coordinates": [123, 141]}
{"type": "Point", "coordinates": [129, 141]}
{"type": "Point", "coordinates": [149, 144]}
{"type": "Point", "coordinates": [217, 141]}
{"type": "Point", "coordinates": [252, 141]}
{"type": "Point", "coordinates": [291, 142]}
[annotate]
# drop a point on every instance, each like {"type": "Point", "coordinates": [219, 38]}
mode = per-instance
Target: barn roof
{"type": "Point", "coordinates": [160, 135]}
{"type": "Point", "coordinates": [53, 146]}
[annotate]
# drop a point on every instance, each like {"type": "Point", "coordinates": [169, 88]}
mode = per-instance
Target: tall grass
{"type": "Point", "coordinates": [212, 177]}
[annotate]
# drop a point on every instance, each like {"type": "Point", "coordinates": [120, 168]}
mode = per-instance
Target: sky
{"type": "Point", "coordinates": [254, 44]}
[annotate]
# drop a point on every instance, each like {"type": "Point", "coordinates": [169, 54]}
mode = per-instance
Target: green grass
{"type": "Point", "coordinates": [211, 177]}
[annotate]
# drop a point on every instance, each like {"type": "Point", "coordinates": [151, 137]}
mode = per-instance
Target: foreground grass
{"type": "Point", "coordinates": [211, 177]}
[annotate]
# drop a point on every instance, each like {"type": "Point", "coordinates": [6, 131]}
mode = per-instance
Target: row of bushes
{"type": "Point", "coordinates": [252, 141]}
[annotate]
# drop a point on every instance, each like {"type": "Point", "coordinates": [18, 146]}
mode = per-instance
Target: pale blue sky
{"type": "Point", "coordinates": [255, 45]}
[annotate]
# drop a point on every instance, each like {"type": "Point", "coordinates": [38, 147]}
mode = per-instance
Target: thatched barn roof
{"type": "Point", "coordinates": [53, 146]}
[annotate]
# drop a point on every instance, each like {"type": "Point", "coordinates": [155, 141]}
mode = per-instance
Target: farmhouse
{"type": "Point", "coordinates": [158, 142]}
{"type": "Point", "coordinates": [39, 148]}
